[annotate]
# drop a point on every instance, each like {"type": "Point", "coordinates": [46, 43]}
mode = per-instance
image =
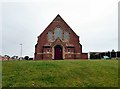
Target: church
{"type": "Point", "coordinates": [58, 42]}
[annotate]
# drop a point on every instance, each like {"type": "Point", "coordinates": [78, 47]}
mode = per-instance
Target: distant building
{"type": "Point", "coordinates": [0, 57]}
{"type": "Point", "coordinates": [58, 41]}
{"type": "Point", "coordinates": [5, 57]}
{"type": "Point", "coordinates": [106, 55]}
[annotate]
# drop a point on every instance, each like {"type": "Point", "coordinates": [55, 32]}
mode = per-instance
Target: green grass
{"type": "Point", "coordinates": [60, 73]}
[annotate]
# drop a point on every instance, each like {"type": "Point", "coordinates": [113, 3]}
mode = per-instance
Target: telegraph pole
{"type": "Point", "coordinates": [21, 51]}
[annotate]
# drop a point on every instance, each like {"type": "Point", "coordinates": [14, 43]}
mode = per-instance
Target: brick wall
{"type": "Point", "coordinates": [74, 40]}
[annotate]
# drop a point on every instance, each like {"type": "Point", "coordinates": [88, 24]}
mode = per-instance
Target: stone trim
{"type": "Point", "coordinates": [72, 53]}
{"type": "Point", "coordinates": [44, 53]}
{"type": "Point", "coordinates": [53, 53]}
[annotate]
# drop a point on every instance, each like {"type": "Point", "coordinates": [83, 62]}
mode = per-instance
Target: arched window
{"type": "Point", "coordinates": [49, 36]}
{"type": "Point", "coordinates": [58, 33]}
{"type": "Point", "coordinates": [66, 35]}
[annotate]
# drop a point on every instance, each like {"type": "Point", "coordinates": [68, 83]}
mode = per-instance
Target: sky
{"type": "Point", "coordinates": [22, 21]}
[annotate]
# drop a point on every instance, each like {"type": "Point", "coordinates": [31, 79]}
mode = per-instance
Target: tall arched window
{"type": "Point", "coordinates": [49, 36]}
{"type": "Point", "coordinates": [66, 35]}
{"type": "Point", "coordinates": [58, 33]}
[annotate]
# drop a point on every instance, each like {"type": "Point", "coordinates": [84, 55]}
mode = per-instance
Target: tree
{"type": "Point", "coordinates": [7, 57]}
{"type": "Point", "coordinates": [14, 57]}
{"type": "Point", "coordinates": [92, 56]}
{"type": "Point", "coordinates": [113, 53]}
{"type": "Point", "coordinates": [30, 58]}
{"type": "Point", "coordinates": [26, 57]}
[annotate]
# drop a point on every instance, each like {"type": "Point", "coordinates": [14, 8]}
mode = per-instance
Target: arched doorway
{"type": "Point", "coordinates": [58, 52]}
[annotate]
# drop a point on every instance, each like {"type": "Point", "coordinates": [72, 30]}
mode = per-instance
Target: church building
{"type": "Point", "coordinates": [58, 42]}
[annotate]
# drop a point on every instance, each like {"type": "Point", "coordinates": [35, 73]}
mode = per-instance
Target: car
{"type": "Point", "coordinates": [106, 57]}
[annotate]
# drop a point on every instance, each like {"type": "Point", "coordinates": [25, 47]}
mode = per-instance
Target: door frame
{"type": "Point", "coordinates": [53, 51]}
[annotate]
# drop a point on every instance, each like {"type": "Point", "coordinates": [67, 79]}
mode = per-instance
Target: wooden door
{"type": "Point", "coordinates": [58, 52]}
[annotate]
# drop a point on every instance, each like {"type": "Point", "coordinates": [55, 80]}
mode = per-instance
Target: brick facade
{"type": "Point", "coordinates": [58, 41]}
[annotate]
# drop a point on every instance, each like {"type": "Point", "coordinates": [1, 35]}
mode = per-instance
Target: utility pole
{"type": "Point", "coordinates": [21, 51]}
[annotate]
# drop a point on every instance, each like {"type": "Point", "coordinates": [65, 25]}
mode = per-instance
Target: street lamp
{"type": "Point", "coordinates": [21, 51]}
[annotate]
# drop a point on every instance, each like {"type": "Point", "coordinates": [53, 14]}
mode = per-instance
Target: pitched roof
{"type": "Point", "coordinates": [55, 19]}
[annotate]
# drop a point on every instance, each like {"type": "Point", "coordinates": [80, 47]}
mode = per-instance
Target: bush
{"type": "Point", "coordinates": [26, 57]}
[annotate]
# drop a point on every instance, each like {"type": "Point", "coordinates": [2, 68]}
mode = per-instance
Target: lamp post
{"type": "Point", "coordinates": [21, 51]}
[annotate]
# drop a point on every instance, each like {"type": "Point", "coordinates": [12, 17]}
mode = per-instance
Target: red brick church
{"type": "Point", "coordinates": [58, 42]}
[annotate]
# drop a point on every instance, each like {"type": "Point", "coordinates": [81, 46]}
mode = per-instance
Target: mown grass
{"type": "Point", "coordinates": [60, 73]}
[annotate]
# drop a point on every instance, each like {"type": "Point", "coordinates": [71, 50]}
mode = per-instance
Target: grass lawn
{"type": "Point", "coordinates": [60, 73]}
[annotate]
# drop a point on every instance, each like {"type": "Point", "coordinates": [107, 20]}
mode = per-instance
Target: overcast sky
{"type": "Point", "coordinates": [95, 21]}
